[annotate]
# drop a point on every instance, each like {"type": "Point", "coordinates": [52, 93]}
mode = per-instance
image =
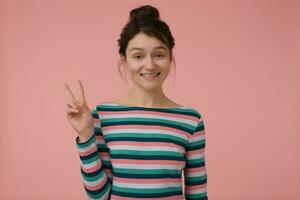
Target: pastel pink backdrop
{"type": "Point", "coordinates": [236, 63]}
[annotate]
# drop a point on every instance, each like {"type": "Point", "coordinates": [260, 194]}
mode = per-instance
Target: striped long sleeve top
{"type": "Point", "coordinates": [144, 153]}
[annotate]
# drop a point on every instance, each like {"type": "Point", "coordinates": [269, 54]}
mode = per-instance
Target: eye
{"type": "Point", "coordinates": [160, 55]}
{"type": "Point", "coordinates": [137, 57]}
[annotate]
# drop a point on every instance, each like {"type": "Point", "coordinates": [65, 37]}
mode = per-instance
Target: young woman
{"type": "Point", "coordinates": [137, 147]}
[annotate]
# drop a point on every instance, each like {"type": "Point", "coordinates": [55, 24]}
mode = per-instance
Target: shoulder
{"type": "Point", "coordinates": [199, 121]}
{"type": "Point", "coordinates": [104, 104]}
{"type": "Point", "coordinates": [197, 113]}
{"type": "Point", "coordinates": [191, 112]}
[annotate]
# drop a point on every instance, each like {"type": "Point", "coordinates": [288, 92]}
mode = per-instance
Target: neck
{"type": "Point", "coordinates": [147, 98]}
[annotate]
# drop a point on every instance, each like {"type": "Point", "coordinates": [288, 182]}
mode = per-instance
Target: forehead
{"type": "Point", "coordinates": [144, 42]}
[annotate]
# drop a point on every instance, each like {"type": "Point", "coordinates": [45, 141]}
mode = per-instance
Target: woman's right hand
{"type": "Point", "coordinates": [79, 114]}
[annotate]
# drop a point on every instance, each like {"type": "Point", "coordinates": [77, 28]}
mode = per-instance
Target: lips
{"type": "Point", "coordinates": [150, 74]}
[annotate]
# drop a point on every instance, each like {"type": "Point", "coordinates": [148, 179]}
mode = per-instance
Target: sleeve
{"type": "Point", "coordinates": [96, 169]}
{"type": "Point", "coordinates": [195, 175]}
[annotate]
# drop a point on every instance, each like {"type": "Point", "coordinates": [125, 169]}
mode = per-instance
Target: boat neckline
{"type": "Point", "coordinates": [118, 104]}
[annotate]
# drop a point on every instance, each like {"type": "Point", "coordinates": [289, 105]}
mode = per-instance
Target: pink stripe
{"type": "Point", "coordinates": [142, 144]}
{"type": "Point", "coordinates": [84, 153]}
{"type": "Point", "coordinates": [96, 120]}
{"type": "Point", "coordinates": [145, 127]}
{"type": "Point", "coordinates": [107, 171]}
{"type": "Point", "coordinates": [91, 169]}
{"type": "Point", "coordinates": [99, 138]}
{"type": "Point", "coordinates": [196, 169]}
{"type": "Point", "coordinates": [96, 187]}
{"type": "Point", "coordinates": [200, 133]}
{"type": "Point", "coordinates": [177, 197]}
{"type": "Point", "coordinates": [149, 181]}
{"type": "Point", "coordinates": [104, 154]}
{"type": "Point", "coordinates": [147, 162]}
{"type": "Point", "coordinates": [196, 187]}
{"type": "Point", "coordinates": [174, 115]}
{"type": "Point", "coordinates": [197, 151]}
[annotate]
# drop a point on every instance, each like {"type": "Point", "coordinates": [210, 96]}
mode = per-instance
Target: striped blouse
{"type": "Point", "coordinates": [144, 153]}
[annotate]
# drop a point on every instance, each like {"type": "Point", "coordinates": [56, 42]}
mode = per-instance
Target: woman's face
{"type": "Point", "coordinates": [146, 57]}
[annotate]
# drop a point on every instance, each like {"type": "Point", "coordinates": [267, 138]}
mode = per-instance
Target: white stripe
{"type": "Point", "coordinates": [195, 156]}
{"type": "Point", "coordinates": [100, 142]}
{"type": "Point", "coordinates": [148, 166]}
{"type": "Point", "coordinates": [196, 174]}
{"type": "Point", "coordinates": [146, 185]}
{"type": "Point", "coordinates": [197, 138]}
{"type": "Point", "coordinates": [105, 158]}
{"type": "Point", "coordinates": [84, 149]}
{"type": "Point", "coordinates": [104, 197]}
{"type": "Point", "coordinates": [146, 148]}
{"type": "Point", "coordinates": [90, 165]}
{"type": "Point", "coordinates": [146, 131]}
{"type": "Point", "coordinates": [97, 124]}
{"type": "Point", "coordinates": [175, 119]}
{"type": "Point", "coordinates": [198, 191]}
{"type": "Point", "coordinates": [116, 105]}
{"type": "Point", "coordinates": [94, 183]}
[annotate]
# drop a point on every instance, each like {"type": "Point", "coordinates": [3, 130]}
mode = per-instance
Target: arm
{"type": "Point", "coordinates": [195, 175]}
{"type": "Point", "coordinates": [95, 163]}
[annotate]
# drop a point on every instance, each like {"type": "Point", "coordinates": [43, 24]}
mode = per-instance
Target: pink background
{"type": "Point", "coordinates": [236, 63]}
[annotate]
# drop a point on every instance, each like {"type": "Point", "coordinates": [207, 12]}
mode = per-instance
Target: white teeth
{"type": "Point", "coordinates": [155, 74]}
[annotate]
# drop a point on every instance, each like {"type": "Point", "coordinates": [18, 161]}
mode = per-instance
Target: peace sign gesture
{"type": "Point", "coordinates": [78, 113]}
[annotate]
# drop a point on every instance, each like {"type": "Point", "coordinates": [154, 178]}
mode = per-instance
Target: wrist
{"type": "Point", "coordinates": [85, 137]}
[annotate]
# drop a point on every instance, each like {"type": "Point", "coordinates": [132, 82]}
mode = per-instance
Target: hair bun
{"type": "Point", "coordinates": [144, 13]}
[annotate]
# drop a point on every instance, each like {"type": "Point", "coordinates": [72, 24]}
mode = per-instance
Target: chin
{"type": "Point", "coordinates": [150, 86]}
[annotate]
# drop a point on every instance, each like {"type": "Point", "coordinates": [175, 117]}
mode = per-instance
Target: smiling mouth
{"type": "Point", "coordinates": [150, 75]}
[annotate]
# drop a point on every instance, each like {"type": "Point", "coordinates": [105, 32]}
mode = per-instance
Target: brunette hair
{"type": "Point", "coordinates": [145, 19]}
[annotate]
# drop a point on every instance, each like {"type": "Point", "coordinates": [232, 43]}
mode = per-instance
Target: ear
{"type": "Point", "coordinates": [123, 61]}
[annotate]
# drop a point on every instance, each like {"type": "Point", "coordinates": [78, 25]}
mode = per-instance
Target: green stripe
{"type": "Point", "coordinates": [147, 190]}
{"type": "Point", "coordinates": [146, 140]}
{"type": "Point", "coordinates": [148, 120]}
{"type": "Point", "coordinates": [90, 160]}
{"type": "Point", "coordinates": [96, 194]}
{"type": "Point", "coordinates": [97, 175]}
{"type": "Point", "coordinates": [146, 171]}
{"type": "Point", "coordinates": [195, 179]}
{"type": "Point", "coordinates": [196, 160]}
{"type": "Point", "coordinates": [86, 144]}
{"type": "Point", "coordinates": [197, 143]}
{"type": "Point", "coordinates": [186, 111]}
{"type": "Point", "coordinates": [146, 153]}
{"type": "Point", "coordinates": [201, 196]}
{"type": "Point", "coordinates": [145, 135]}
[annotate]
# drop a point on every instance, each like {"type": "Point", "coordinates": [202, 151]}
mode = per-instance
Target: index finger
{"type": "Point", "coordinates": [70, 96]}
{"type": "Point", "coordinates": [81, 92]}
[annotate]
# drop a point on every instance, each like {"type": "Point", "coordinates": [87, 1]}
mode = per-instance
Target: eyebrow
{"type": "Point", "coordinates": [158, 47]}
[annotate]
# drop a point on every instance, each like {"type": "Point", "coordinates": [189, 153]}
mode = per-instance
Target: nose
{"type": "Point", "coordinates": [150, 64]}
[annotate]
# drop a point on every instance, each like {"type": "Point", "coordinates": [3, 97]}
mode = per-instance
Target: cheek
{"type": "Point", "coordinates": [165, 68]}
{"type": "Point", "coordinates": [164, 64]}
{"type": "Point", "coordinates": [133, 71]}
